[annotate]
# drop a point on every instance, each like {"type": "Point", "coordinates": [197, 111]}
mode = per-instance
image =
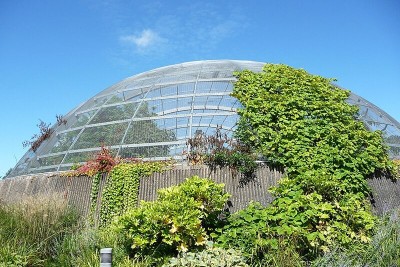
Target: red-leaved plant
{"type": "Point", "coordinates": [103, 161]}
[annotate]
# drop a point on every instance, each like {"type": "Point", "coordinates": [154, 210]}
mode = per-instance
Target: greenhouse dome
{"type": "Point", "coordinates": [151, 115]}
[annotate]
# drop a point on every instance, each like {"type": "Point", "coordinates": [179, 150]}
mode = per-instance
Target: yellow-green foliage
{"type": "Point", "coordinates": [396, 168]}
{"type": "Point", "coordinates": [178, 220]}
{"type": "Point", "coordinates": [212, 256]}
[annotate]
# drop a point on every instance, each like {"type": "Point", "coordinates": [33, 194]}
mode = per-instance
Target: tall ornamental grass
{"type": "Point", "coordinates": [31, 231]}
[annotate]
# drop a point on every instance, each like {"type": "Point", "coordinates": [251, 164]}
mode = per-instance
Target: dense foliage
{"type": "Point", "coordinates": [383, 250]}
{"type": "Point", "coordinates": [302, 122]}
{"type": "Point", "coordinates": [219, 150]}
{"type": "Point", "coordinates": [211, 256]}
{"type": "Point", "coordinates": [121, 190]}
{"type": "Point", "coordinates": [180, 219]}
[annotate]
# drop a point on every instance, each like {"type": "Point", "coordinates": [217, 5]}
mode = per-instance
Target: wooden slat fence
{"type": "Point", "coordinates": [76, 190]}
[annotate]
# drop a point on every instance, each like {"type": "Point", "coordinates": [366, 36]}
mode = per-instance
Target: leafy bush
{"type": "Point", "coordinates": [178, 220]}
{"type": "Point", "coordinates": [303, 123]}
{"type": "Point", "coordinates": [248, 231]}
{"type": "Point", "coordinates": [382, 251]}
{"type": "Point", "coordinates": [219, 150]}
{"type": "Point", "coordinates": [211, 256]}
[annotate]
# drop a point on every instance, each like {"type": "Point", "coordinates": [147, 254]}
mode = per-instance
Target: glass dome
{"type": "Point", "coordinates": [152, 114]}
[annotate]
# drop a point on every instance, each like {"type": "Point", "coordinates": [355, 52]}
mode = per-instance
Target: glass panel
{"type": "Point", "coordinates": [213, 100]}
{"type": "Point", "coordinates": [177, 150]}
{"type": "Point", "coordinates": [182, 133]}
{"type": "Point", "coordinates": [185, 102]}
{"type": "Point", "coordinates": [153, 94]}
{"type": "Point", "coordinates": [203, 87]}
{"type": "Point", "coordinates": [115, 113]}
{"type": "Point", "coordinates": [196, 120]}
{"type": "Point", "coordinates": [167, 104]}
{"type": "Point", "coordinates": [169, 90]}
{"type": "Point", "coordinates": [231, 121]}
{"type": "Point", "coordinates": [182, 111]}
{"type": "Point", "coordinates": [149, 81]}
{"type": "Point", "coordinates": [65, 168]}
{"type": "Point", "coordinates": [116, 99]}
{"type": "Point", "coordinates": [100, 101]}
{"type": "Point", "coordinates": [79, 157]}
{"type": "Point", "coordinates": [169, 123]}
{"type": "Point", "coordinates": [229, 102]}
{"type": "Point", "coordinates": [182, 121]}
{"type": "Point", "coordinates": [148, 132]}
{"type": "Point", "coordinates": [218, 120]}
{"type": "Point", "coordinates": [34, 163]}
{"type": "Point", "coordinates": [83, 118]}
{"type": "Point", "coordinates": [201, 130]}
{"type": "Point", "coordinates": [200, 101]}
{"type": "Point", "coordinates": [219, 86]}
{"type": "Point", "coordinates": [146, 109]}
{"type": "Point", "coordinates": [43, 170]}
{"type": "Point", "coordinates": [84, 156]}
{"type": "Point", "coordinates": [146, 152]}
{"type": "Point", "coordinates": [207, 100]}
{"type": "Point", "coordinates": [52, 160]}
{"type": "Point", "coordinates": [101, 135]}
{"type": "Point", "coordinates": [185, 88]}
{"type": "Point", "coordinates": [134, 95]}
{"type": "Point", "coordinates": [64, 141]}
{"type": "Point", "coordinates": [209, 75]}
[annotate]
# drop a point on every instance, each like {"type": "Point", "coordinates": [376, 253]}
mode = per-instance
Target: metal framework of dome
{"type": "Point", "coordinates": [152, 114]}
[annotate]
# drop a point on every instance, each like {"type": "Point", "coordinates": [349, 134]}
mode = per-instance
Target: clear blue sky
{"type": "Point", "coordinates": [56, 54]}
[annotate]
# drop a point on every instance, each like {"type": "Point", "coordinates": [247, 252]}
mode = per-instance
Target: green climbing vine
{"type": "Point", "coordinates": [302, 123]}
{"type": "Point", "coordinates": [122, 184]}
{"type": "Point", "coordinates": [121, 190]}
{"type": "Point", "coordinates": [94, 195]}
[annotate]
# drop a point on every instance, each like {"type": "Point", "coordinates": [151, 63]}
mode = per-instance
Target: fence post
{"type": "Point", "coordinates": [106, 257]}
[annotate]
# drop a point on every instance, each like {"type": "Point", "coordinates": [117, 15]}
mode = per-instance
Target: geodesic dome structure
{"type": "Point", "coordinates": [151, 115]}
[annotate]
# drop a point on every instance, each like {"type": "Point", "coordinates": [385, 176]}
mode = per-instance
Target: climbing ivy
{"type": "Point", "coordinates": [94, 195]}
{"type": "Point", "coordinates": [121, 189]}
{"type": "Point", "coordinates": [302, 122]}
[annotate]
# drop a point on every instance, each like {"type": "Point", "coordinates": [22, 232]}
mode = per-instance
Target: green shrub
{"type": "Point", "coordinates": [382, 251]}
{"type": "Point", "coordinates": [211, 256]}
{"type": "Point", "coordinates": [178, 220]}
{"type": "Point", "coordinates": [303, 123]}
{"type": "Point", "coordinates": [248, 231]}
